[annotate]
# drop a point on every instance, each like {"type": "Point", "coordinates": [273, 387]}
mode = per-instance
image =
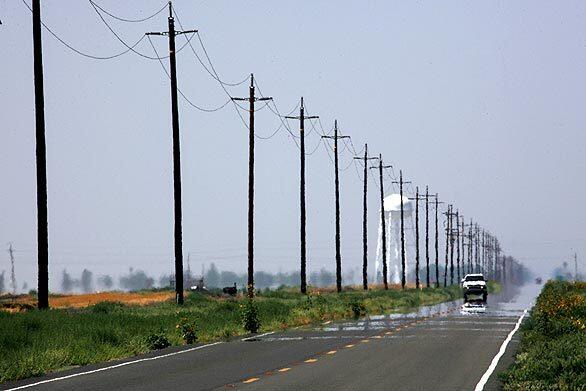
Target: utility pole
{"type": "Point", "coordinates": [382, 216]}
{"type": "Point", "coordinates": [427, 236]}
{"type": "Point", "coordinates": [365, 218]}
{"type": "Point", "coordinates": [483, 253]}
{"type": "Point", "coordinates": [416, 198]}
{"type": "Point", "coordinates": [403, 273]}
{"type": "Point", "coordinates": [251, 100]}
{"type": "Point", "coordinates": [437, 280]}
{"type": "Point", "coordinates": [451, 247]}
{"type": "Point", "coordinates": [463, 237]}
{"type": "Point", "coordinates": [178, 230]}
{"type": "Point", "coordinates": [448, 235]}
{"type": "Point", "coordinates": [41, 159]}
{"type": "Point", "coordinates": [12, 273]}
{"type": "Point", "coordinates": [458, 244]}
{"type": "Point", "coordinates": [470, 248]}
{"type": "Point", "coordinates": [575, 267]}
{"type": "Point", "coordinates": [477, 248]}
{"type": "Point", "coordinates": [335, 137]}
{"type": "Point", "coordinates": [302, 119]}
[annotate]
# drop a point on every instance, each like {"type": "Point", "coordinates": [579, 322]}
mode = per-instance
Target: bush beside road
{"type": "Point", "coordinates": [552, 352]}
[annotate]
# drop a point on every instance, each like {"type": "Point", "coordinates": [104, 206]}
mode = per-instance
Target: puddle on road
{"type": "Point", "coordinates": [380, 322]}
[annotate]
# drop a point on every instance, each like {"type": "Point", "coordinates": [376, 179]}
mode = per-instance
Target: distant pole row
{"type": "Point", "coordinates": [483, 249]}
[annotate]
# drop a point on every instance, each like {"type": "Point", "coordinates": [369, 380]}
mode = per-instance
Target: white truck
{"type": "Point", "coordinates": [474, 285]}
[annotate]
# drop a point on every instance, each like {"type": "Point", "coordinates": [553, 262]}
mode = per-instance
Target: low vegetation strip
{"type": "Point", "coordinates": [552, 352]}
{"type": "Point", "coordinates": [35, 342]}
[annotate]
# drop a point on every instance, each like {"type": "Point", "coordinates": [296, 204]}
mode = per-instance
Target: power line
{"type": "Point", "coordinates": [70, 47]}
{"type": "Point", "coordinates": [128, 20]}
{"type": "Point", "coordinates": [124, 42]}
{"type": "Point", "coordinates": [179, 90]}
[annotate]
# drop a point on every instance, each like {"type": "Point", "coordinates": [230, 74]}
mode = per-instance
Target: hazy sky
{"type": "Point", "coordinates": [482, 101]}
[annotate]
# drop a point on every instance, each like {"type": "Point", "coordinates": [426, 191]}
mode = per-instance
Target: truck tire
{"type": "Point", "coordinates": [484, 297]}
{"type": "Point", "coordinates": [465, 298]}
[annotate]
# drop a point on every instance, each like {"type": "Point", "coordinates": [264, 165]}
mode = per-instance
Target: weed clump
{"type": "Point", "coordinates": [188, 330]}
{"type": "Point", "coordinates": [250, 316]}
{"type": "Point", "coordinates": [158, 340]}
{"type": "Point", "coordinates": [357, 307]}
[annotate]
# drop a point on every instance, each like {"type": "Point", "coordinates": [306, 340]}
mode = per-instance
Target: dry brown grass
{"type": "Point", "coordinates": [88, 299]}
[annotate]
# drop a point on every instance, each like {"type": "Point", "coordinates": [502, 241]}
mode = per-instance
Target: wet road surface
{"type": "Point", "coordinates": [442, 347]}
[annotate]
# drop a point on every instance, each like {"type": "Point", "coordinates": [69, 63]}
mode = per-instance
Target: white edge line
{"type": "Point", "coordinates": [495, 360]}
{"type": "Point", "coordinates": [258, 336]}
{"type": "Point", "coordinates": [113, 366]}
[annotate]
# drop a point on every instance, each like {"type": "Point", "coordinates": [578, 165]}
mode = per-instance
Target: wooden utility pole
{"type": "Point", "coordinates": [463, 237]}
{"type": "Point", "coordinates": [470, 248]}
{"type": "Point", "coordinates": [417, 258]}
{"type": "Point", "coordinates": [41, 160]}
{"type": "Point", "coordinates": [437, 280]}
{"type": "Point", "coordinates": [403, 270]}
{"type": "Point", "coordinates": [477, 249]}
{"type": "Point", "coordinates": [365, 218]}
{"type": "Point", "coordinates": [427, 236]}
{"type": "Point", "coordinates": [448, 228]}
{"type": "Point", "coordinates": [458, 244]}
{"type": "Point", "coordinates": [335, 137]}
{"type": "Point", "coordinates": [302, 232]}
{"type": "Point", "coordinates": [178, 229]}
{"type": "Point", "coordinates": [451, 248]}
{"type": "Point", "coordinates": [251, 100]}
{"type": "Point", "coordinates": [381, 167]}
{"type": "Point", "coordinates": [575, 267]}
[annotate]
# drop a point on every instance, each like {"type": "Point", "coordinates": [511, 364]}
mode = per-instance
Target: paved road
{"type": "Point", "coordinates": [441, 348]}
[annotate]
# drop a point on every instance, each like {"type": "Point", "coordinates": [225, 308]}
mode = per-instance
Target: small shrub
{"type": "Point", "coordinates": [158, 340]}
{"type": "Point", "coordinates": [358, 308]}
{"type": "Point", "coordinates": [188, 330]}
{"type": "Point", "coordinates": [250, 316]}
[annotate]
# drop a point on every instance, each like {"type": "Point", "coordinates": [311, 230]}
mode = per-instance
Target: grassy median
{"type": "Point", "coordinates": [552, 353]}
{"type": "Point", "coordinates": [35, 342]}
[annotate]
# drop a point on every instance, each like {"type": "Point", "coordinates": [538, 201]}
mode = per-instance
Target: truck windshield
{"type": "Point", "coordinates": [474, 278]}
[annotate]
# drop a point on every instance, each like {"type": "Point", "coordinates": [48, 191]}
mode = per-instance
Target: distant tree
{"type": "Point", "coordinates": [67, 283]}
{"type": "Point", "coordinates": [212, 277]}
{"type": "Point", "coordinates": [106, 282]}
{"type": "Point", "coordinates": [87, 281]}
{"type": "Point", "coordinates": [2, 282]}
{"type": "Point", "coordinates": [136, 280]}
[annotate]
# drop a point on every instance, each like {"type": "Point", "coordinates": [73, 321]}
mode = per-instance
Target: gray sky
{"type": "Point", "coordinates": [482, 101]}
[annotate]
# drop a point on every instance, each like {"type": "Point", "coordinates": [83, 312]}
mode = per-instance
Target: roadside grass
{"type": "Point", "coordinates": [35, 342]}
{"type": "Point", "coordinates": [552, 352]}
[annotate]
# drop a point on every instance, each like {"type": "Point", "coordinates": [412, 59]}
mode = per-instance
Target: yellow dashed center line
{"type": "Point", "coordinates": [376, 337]}
{"type": "Point", "coordinates": [332, 352]}
{"type": "Point", "coordinates": [284, 369]}
{"type": "Point", "coordinates": [349, 346]}
{"type": "Point", "coordinates": [365, 341]}
{"type": "Point", "coordinates": [389, 333]}
{"type": "Point", "coordinates": [251, 380]}
{"type": "Point", "coordinates": [311, 360]}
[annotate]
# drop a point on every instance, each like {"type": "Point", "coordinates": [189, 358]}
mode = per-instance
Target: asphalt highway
{"type": "Point", "coordinates": [443, 347]}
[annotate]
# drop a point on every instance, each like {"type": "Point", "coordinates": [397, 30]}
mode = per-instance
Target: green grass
{"type": "Point", "coordinates": [36, 342]}
{"type": "Point", "coordinates": [552, 353]}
